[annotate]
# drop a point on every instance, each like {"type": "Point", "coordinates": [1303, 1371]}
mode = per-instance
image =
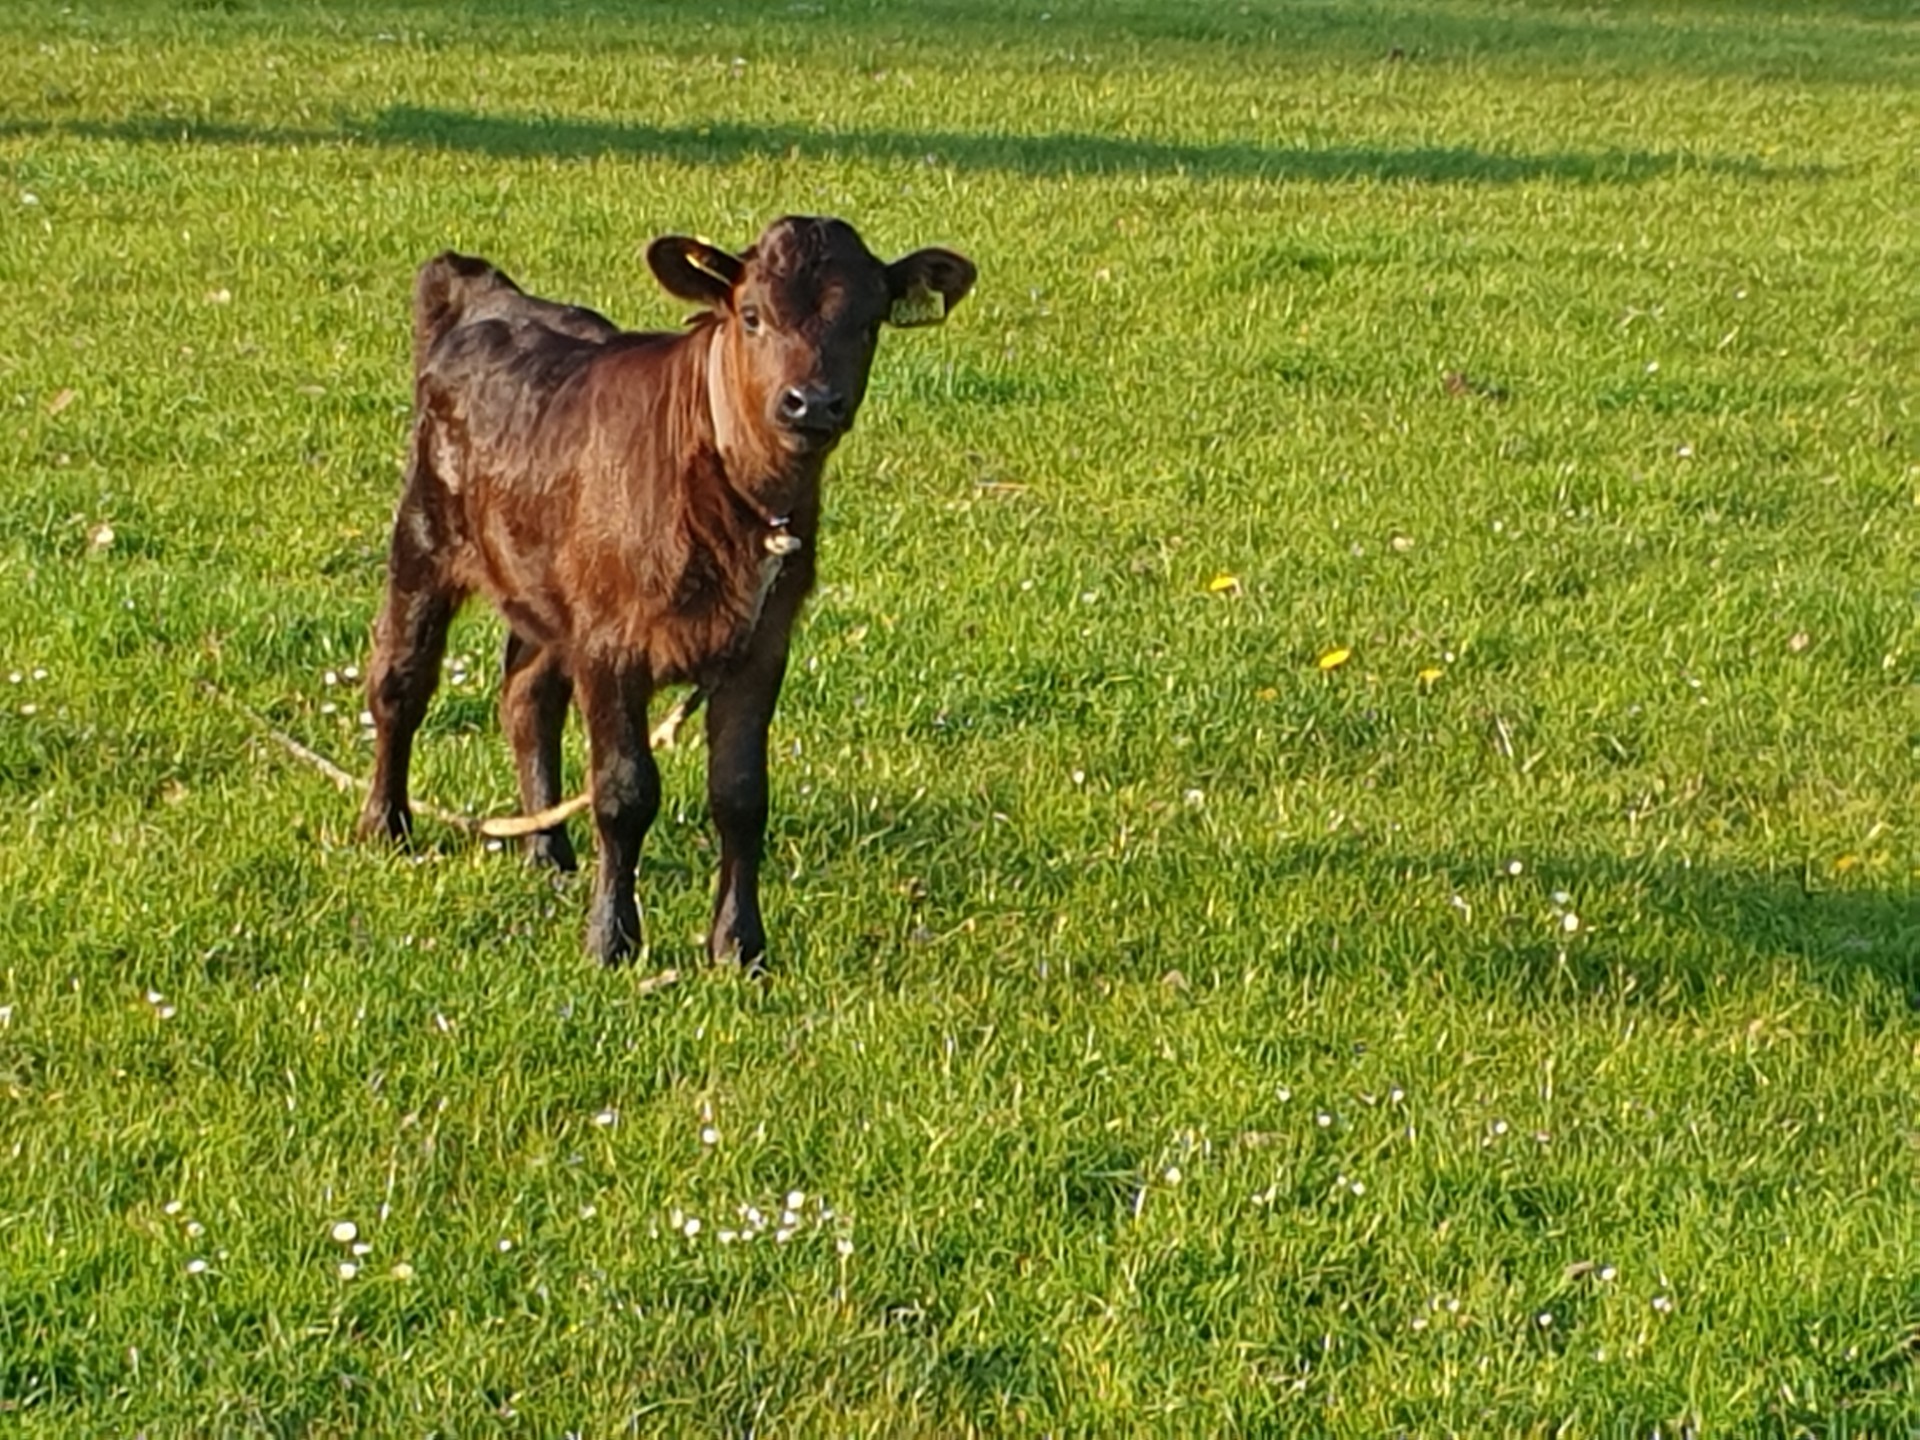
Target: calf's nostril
{"type": "Point", "coordinates": [812, 407]}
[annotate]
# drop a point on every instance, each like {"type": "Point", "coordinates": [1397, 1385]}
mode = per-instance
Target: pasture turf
{"type": "Point", "coordinates": [1343, 857]}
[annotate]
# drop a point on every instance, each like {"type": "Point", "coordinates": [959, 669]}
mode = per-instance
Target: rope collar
{"type": "Point", "coordinates": [779, 542]}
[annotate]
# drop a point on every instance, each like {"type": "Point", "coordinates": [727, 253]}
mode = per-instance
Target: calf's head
{"type": "Point", "coordinates": [798, 316]}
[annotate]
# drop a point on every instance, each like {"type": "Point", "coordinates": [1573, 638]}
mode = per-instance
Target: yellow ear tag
{"type": "Point", "coordinates": [699, 261]}
{"type": "Point", "coordinates": [922, 305]}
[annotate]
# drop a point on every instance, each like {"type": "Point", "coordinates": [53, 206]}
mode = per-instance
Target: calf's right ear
{"type": "Point", "coordinates": [693, 270]}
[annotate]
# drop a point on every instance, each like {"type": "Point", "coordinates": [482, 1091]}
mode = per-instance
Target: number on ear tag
{"type": "Point", "coordinates": [922, 305]}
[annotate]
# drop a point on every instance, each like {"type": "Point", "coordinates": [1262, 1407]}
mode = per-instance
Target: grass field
{"type": "Point", "coordinates": [1512, 1029]}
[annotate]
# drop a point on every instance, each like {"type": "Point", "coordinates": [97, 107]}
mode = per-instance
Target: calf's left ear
{"type": "Point", "coordinates": [926, 285]}
{"type": "Point", "coordinates": [693, 270]}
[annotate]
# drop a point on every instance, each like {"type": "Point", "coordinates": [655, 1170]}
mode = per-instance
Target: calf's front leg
{"type": "Point", "coordinates": [738, 714]}
{"type": "Point", "coordinates": [626, 797]}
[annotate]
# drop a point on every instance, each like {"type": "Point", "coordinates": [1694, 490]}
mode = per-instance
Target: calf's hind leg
{"type": "Point", "coordinates": [534, 693]}
{"type": "Point", "coordinates": [409, 641]}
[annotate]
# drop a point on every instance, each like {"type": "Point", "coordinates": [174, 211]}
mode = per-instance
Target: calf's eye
{"type": "Point", "coordinates": [750, 319]}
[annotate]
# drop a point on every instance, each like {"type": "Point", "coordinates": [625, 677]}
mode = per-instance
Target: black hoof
{"type": "Point", "coordinates": [552, 850]}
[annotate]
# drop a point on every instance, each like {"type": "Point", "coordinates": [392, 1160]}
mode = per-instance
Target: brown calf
{"type": "Point", "coordinates": [642, 509]}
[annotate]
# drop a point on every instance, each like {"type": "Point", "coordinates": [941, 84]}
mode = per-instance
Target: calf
{"type": "Point", "coordinates": [642, 509]}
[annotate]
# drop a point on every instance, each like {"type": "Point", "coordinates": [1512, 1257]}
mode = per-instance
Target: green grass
{"type": "Point", "coordinates": [1186, 1039]}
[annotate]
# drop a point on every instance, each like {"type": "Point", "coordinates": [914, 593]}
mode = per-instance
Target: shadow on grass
{"type": "Point", "coordinates": [1061, 153]}
{"type": "Point", "coordinates": [1723, 920]}
{"type": "Point", "coordinates": [1668, 931]}
{"type": "Point", "coordinates": [1650, 928]}
{"type": "Point", "coordinates": [1053, 154]}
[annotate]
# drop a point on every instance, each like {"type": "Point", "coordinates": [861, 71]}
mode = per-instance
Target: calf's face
{"type": "Point", "coordinates": [799, 314]}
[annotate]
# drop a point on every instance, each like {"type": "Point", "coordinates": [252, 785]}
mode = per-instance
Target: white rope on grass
{"type": "Point", "coordinates": [503, 827]}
